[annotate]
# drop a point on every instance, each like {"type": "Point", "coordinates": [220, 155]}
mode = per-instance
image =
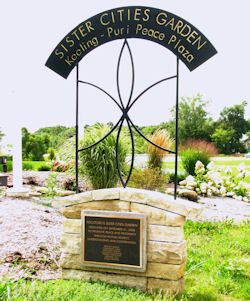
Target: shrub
{"type": "Point", "coordinates": [180, 176]}
{"type": "Point", "coordinates": [52, 153]}
{"type": "Point", "coordinates": [189, 158]}
{"type": "Point", "coordinates": [211, 182]}
{"type": "Point", "coordinates": [148, 178]}
{"type": "Point", "coordinates": [99, 162]}
{"type": "Point", "coordinates": [44, 167]}
{"type": "Point", "coordinates": [9, 157]}
{"type": "Point", "coordinates": [162, 138]}
{"type": "Point", "coordinates": [203, 145]}
{"type": "Point", "coordinates": [9, 166]}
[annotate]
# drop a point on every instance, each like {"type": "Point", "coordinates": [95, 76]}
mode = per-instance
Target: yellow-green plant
{"type": "Point", "coordinates": [162, 138]}
{"type": "Point", "coordinates": [99, 162]}
{"type": "Point", "coordinates": [148, 178]}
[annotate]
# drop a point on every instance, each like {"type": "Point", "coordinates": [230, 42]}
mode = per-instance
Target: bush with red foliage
{"type": "Point", "coordinates": [201, 145]}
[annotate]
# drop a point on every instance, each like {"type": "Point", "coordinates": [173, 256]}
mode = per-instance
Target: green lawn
{"type": "Point", "coordinates": [217, 268]}
{"type": "Point", "coordinates": [33, 165]}
{"type": "Point", "coordinates": [216, 163]}
{"type": "Point", "coordinates": [218, 260]}
{"type": "Point", "coordinates": [233, 162]}
{"type": "Point", "coordinates": [27, 165]}
{"type": "Point", "coordinates": [235, 172]}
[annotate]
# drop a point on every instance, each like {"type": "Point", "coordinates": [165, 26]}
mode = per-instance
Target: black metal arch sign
{"type": "Point", "coordinates": [182, 38]}
{"type": "Point", "coordinates": [153, 24]}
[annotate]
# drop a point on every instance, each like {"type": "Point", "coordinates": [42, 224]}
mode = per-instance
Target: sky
{"type": "Point", "coordinates": [34, 96]}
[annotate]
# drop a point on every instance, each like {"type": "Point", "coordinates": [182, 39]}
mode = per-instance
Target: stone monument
{"type": "Point", "coordinates": [165, 251]}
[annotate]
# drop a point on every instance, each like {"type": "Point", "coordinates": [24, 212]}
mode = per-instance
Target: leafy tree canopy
{"type": "Point", "coordinates": [233, 118]}
{"type": "Point", "coordinates": [223, 140]}
{"type": "Point", "coordinates": [230, 129]}
{"type": "Point", "coordinates": [34, 146]}
{"type": "Point", "coordinates": [58, 134]}
{"type": "Point", "coordinates": [193, 119]}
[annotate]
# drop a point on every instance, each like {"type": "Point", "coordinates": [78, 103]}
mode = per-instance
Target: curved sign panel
{"type": "Point", "coordinates": [153, 24]}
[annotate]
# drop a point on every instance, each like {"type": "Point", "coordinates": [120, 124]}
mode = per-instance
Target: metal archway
{"type": "Point", "coordinates": [172, 32]}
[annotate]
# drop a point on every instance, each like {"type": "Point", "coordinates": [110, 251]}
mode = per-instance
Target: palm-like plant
{"type": "Point", "coordinates": [99, 162]}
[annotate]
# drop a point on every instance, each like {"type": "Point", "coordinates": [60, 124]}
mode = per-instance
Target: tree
{"type": "Point", "coordinates": [247, 144]}
{"type": "Point", "coordinates": [58, 134]}
{"type": "Point", "coordinates": [234, 117]}
{"type": "Point", "coordinates": [1, 134]}
{"type": "Point", "coordinates": [223, 140]}
{"type": "Point", "coordinates": [34, 146]}
{"type": "Point", "coordinates": [25, 139]}
{"type": "Point", "coordinates": [193, 121]}
{"type": "Point", "coordinates": [232, 120]}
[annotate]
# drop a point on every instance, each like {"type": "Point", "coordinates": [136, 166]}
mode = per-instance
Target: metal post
{"type": "Point", "coordinates": [176, 128]}
{"type": "Point", "coordinates": [77, 92]}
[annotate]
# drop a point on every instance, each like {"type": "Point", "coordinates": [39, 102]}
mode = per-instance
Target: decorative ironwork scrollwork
{"type": "Point", "coordinates": [125, 112]}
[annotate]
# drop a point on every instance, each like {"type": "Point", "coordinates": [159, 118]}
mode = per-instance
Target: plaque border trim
{"type": "Point", "coordinates": [117, 214]}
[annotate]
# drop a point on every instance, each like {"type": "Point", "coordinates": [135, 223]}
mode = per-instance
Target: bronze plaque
{"type": "Point", "coordinates": [113, 240]}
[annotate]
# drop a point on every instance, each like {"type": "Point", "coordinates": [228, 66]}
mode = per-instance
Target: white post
{"type": "Point", "coordinates": [18, 190]}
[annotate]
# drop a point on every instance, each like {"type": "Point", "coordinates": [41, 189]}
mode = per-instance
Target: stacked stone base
{"type": "Point", "coordinates": [166, 249]}
{"type": "Point", "coordinates": [140, 283]}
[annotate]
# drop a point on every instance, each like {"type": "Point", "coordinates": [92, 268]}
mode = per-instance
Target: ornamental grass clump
{"type": "Point", "coordinates": [190, 156]}
{"type": "Point", "coordinates": [98, 163]}
{"type": "Point", "coordinates": [156, 155]}
{"type": "Point", "coordinates": [194, 150]}
{"type": "Point", "coordinates": [202, 145]}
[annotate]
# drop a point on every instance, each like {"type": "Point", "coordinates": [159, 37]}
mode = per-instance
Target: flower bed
{"type": "Point", "coordinates": [211, 181]}
{"type": "Point", "coordinates": [61, 166]}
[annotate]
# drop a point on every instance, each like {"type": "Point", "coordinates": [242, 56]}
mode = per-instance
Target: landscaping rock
{"type": "Point", "coordinates": [74, 211]}
{"type": "Point", "coordinates": [162, 201]}
{"type": "Point", "coordinates": [183, 183]}
{"type": "Point", "coordinates": [169, 190]}
{"type": "Point", "coordinates": [156, 270]}
{"type": "Point", "coordinates": [165, 233]}
{"type": "Point", "coordinates": [35, 193]}
{"type": "Point", "coordinates": [106, 194]}
{"type": "Point", "coordinates": [64, 192]}
{"type": "Point", "coordinates": [123, 280]}
{"type": "Point", "coordinates": [30, 180]}
{"type": "Point", "coordinates": [42, 189]}
{"type": "Point", "coordinates": [157, 216]}
{"type": "Point", "coordinates": [166, 252]}
{"type": "Point", "coordinates": [189, 194]}
{"type": "Point", "coordinates": [163, 284]}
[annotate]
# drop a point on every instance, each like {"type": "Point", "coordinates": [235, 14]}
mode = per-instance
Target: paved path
{"type": "Point", "coordinates": [218, 208]}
